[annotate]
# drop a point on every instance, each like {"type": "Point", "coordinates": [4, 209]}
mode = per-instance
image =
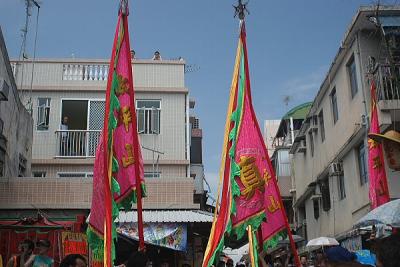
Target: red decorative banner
{"type": "Point", "coordinates": [378, 186]}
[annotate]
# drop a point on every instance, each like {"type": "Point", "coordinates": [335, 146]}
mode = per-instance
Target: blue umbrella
{"type": "Point", "coordinates": [388, 214]}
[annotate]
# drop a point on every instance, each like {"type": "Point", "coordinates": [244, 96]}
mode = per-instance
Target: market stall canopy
{"type": "Point", "coordinates": [388, 213]}
{"type": "Point", "coordinates": [167, 216]}
{"type": "Point", "coordinates": [322, 241]}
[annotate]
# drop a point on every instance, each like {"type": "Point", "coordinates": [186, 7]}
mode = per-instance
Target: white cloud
{"type": "Point", "coordinates": [304, 86]}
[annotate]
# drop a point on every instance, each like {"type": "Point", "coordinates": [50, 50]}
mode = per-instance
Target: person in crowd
{"type": "Point", "coordinates": [132, 54]}
{"type": "Point", "coordinates": [73, 260]}
{"type": "Point", "coordinates": [41, 259]}
{"type": "Point", "coordinates": [388, 252]}
{"type": "Point", "coordinates": [157, 56]}
{"type": "Point", "coordinates": [25, 249]}
{"type": "Point", "coordinates": [137, 259]}
{"type": "Point", "coordinates": [64, 141]}
{"type": "Point", "coordinates": [229, 263]}
{"type": "Point", "coordinates": [339, 254]}
{"type": "Point", "coordinates": [303, 261]}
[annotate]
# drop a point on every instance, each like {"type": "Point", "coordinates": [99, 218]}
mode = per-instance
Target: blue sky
{"type": "Point", "coordinates": [291, 43]}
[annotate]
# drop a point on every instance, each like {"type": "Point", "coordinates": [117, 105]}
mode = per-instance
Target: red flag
{"type": "Point", "coordinates": [378, 185]}
{"type": "Point", "coordinates": [118, 168]}
{"type": "Point", "coordinates": [248, 181]}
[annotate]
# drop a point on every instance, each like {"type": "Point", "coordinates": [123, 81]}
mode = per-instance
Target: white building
{"type": "Point", "coordinates": [330, 152]}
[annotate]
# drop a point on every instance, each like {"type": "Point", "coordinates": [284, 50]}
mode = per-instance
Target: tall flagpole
{"type": "Point", "coordinates": [125, 12]}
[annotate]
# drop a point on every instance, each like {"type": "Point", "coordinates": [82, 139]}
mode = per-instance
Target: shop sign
{"type": "Point", "coordinates": [74, 243]}
{"type": "Point", "coordinates": [170, 235]}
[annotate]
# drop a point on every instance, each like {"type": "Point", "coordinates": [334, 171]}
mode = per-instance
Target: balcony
{"type": "Point", "coordinates": [387, 79]}
{"type": "Point", "coordinates": [76, 143]}
{"type": "Point", "coordinates": [388, 82]}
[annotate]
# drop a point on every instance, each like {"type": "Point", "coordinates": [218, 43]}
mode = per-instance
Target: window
{"type": "Point", "coordinates": [321, 124]}
{"type": "Point", "coordinates": [362, 167]}
{"type": "Point", "coordinates": [335, 111]}
{"type": "Point", "coordinates": [39, 174]}
{"type": "Point", "coordinates": [151, 175]}
{"type": "Point", "coordinates": [316, 208]}
{"type": "Point", "coordinates": [283, 163]}
{"type": "Point", "coordinates": [43, 114]}
{"type": "Point", "coordinates": [75, 174]}
{"type": "Point", "coordinates": [310, 134]}
{"type": "Point", "coordinates": [351, 68]}
{"type": "Point", "coordinates": [148, 116]}
{"type": "Point", "coordinates": [341, 187]}
{"type": "Point", "coordinates": [326, 197]}
{"type": "Point", "coordinates": [22, 166]}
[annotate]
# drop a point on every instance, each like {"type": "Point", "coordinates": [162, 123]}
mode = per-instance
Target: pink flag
{"type": "Point", "coordinates": [378, 186]}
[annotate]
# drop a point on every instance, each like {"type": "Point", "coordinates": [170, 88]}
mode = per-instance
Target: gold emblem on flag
{"type": "Point", "coordinates": [250, 176]}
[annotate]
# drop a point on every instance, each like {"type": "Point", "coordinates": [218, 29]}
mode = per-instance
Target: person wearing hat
{"type": "Point", "coordinates": [41, 259]}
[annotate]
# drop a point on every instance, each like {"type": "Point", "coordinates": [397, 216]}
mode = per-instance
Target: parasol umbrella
{"type": "Point", "coordinates": [388, 213]}
{"type": "Point", "coordinates": [322, 241]}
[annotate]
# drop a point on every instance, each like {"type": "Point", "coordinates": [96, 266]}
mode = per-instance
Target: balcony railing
{"type": "Point", "coordinates": [85, 72]}
{"type": "Point", "coordinates": [387, 79]}
{"type": "Point", "coordinates": [77, 143]}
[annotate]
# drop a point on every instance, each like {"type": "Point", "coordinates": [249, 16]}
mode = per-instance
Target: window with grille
{"type": "Point", "coordinates": [341, 187]}
{"type": "Point", "coordinates": [148, 116]}
{"type": "Point", "coordinates": [151, 175]}
{"type": "Point", "coordinates": [22, 166]}
{"type": "Point", "coordinates": [316, 208]}
{"type": "Point", "coordinates": [43, 114]}
{"type": "Point", "coordinates": [39, 174]}
{"type": "Point", "coordinates": [362, 167]}
{"type": "Point", "coordinates": [75, 174]}
{"type": "Point", "coordinates": [351, 69]}
{"type": "Point", "coordinates": [325, 192]}
{"type": "Point", "coordinates": [311, 137]}
{"type": "Point", "coordinates": [321, 125]}
{"type": "Point", "coordinates": [334, 104]}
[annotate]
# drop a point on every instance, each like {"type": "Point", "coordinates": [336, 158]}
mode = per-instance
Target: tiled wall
{"type": "Point", "coordinates": [74, 193]}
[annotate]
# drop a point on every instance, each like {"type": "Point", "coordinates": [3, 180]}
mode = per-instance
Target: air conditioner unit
{"type": "Point", "coordinates": [336, 168]}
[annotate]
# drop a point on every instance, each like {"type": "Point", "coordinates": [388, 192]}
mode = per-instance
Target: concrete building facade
{"type": "Point", "coordinates": [15, 124]}
{"type": "Point", "coordinates": [330, 151]}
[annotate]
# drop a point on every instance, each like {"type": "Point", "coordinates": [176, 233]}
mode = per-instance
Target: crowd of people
{"type": "Point", "coordinates": [27, 258]}
{"type": "Point", "coordinates": [382, 253]}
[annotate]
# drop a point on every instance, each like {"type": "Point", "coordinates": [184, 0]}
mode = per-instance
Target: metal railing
{"type": "Point", "coordinates": [77, 143]}
{"type": "Point", "coordinates": [387, 79]}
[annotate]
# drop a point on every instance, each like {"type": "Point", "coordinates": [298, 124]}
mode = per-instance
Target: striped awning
{"type": "Point", "coordinates": [167, 216]}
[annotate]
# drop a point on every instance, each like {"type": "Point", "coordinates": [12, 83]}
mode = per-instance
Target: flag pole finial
{"type": "Point", "coordinates": [123, 7]}
{"type": "Point", "coordinates": [241, 10]}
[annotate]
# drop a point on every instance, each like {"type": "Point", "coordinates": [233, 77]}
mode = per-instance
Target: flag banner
{"type": "Point", "coordinates": [118, 169]}
{"type": "Point", "coordinates": [378, 185]}
{"type": "Point", "coordinates": [222, 223]}
{"type": "Point", "coordinates": [250, 193]}
{"type": "Point", "coordinates": [169, 235]}
{"type": "Point", "coordinates": [247, 177]}
{"type": "Point", "coordinates": [249, 162]}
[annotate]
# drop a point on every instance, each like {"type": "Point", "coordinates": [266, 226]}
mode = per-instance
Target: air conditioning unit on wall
{"type": "Point", "coordinates": [336, 168]}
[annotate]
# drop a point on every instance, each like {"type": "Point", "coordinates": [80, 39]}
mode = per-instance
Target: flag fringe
{"type": "Point", "coordinates": [255, 221]}
{"type": "Point", "coordinates": [272, 242]}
